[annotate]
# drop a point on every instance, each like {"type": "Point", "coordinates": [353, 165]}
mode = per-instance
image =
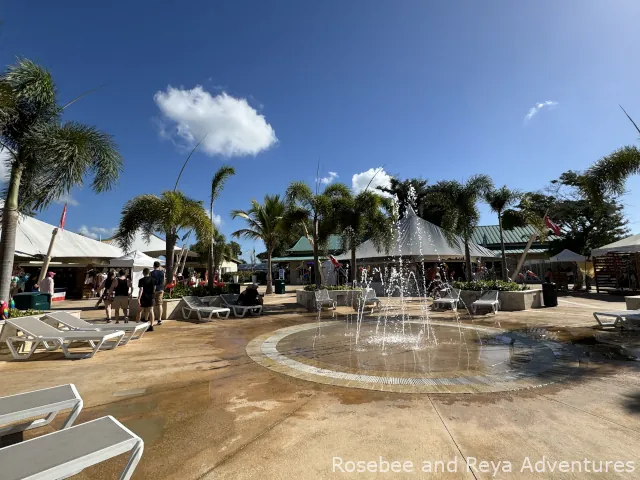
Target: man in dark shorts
{"type": "Point", "coordinates": [158, 275]}
{"type": "Point", "coordinates": [146, 291]}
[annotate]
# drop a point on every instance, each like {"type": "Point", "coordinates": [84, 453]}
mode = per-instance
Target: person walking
{"type": "Point", "coordinates": [107, 297]}
{"type": "Point", "coordinates": [146, 292]}
{"type": "Point", "coordinates": [158, 275]}
{"type": "Point", "coordinates": [121, 293]}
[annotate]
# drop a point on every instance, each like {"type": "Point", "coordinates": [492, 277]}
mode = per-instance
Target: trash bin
{"type": "Point", "coordinates": [234, 288]}
{"type": "Point", "coordinates": [32, 300]}
{"type": "Point", "coordinates": [549, 295]}
{"type": "Point", "coordinates": [280, 287]}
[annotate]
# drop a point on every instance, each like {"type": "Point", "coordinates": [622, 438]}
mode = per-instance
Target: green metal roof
{"type": "Point", "coordinates": [490, 235]}
{"type": "Point", "coordinates": [303, 246]}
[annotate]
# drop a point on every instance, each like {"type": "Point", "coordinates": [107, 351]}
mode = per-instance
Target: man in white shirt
{"type": "Point", "coordinates": [46, 285]}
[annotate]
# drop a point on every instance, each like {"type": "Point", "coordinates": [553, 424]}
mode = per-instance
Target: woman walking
{"type": "Point", "coordinates": [106, 294]}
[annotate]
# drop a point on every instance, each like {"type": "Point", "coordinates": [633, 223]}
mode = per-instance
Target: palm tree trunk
{"type": "Point", "coordinates": [9, 226]}
{"type": "Point", "coordinates": [269, 273]}
{"type": "Point", "coordinates": [170, 245]}
{"type": "Point", "coordinates": [467, 256]}
{"type": "Point", "coordinates": [316, 257]}
{"type": "Point", "coordinates": [354, 267]}
{"type": "Point", "coordinates": [210, 266]}
{"type": "Point", "coordinates": [504, 256]}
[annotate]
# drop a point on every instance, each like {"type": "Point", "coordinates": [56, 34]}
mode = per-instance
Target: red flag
{"type": "Point", "coordinates": [63, 218]}
{"type": "Point", "coordinates": [334, 261]}
{"type": "Point", "coordinates": [554, 228]}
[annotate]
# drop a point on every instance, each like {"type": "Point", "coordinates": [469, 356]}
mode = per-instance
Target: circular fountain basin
{"type": "Point", "coordinates": [412, 357]}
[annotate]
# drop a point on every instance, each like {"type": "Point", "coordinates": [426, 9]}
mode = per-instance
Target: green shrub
{"type": "Point", "coordinates": [483, 285]}
{"type": "Point", "coordinates": [178, 291]}
{"type": "Point", "coordinates": [312, 287]}
{"type": "Point", "coordinates": [15, 313]}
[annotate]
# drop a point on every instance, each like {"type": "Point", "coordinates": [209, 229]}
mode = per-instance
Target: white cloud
{"type": "Point", "coordinates": [373, 178]}
{"type": "Point", "coordinates": [539, 106]}
{"type": "Point", "coordinates": [328, 179]}
{"type": "Point", "coordinates": [233, 128]}
{"type": "Point", "coordinates": [217, 220]}
{"type": "Point", "coordinates": [96, 232]}
{"type": "Point", "coordinates": [67, 198]}
{"type": "Point", "coordinates": [4, 168]}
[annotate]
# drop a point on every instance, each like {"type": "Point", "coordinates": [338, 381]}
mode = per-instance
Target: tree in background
{"type": "Point", "coordinates": [416, 193]}
{"type": "Point", "coordinates": [221, 252]}
{"type": "Point", "coordinates": [365, 216]}
{"type": "Point", "coordinates": [217, 184]}
{"type": "Point", "coordinates": [459, 202]}
{"type": "Point", "coordinates": [314, 212]}
{"type": "Point", "coordinates": [46, 156]}
{"type": "Point", "coordinates": [236, 249]}
{"type": "Point", "coordinates": [264, 222]}
{"type": "Point", "coordinates": [166, 214]}
{"type": "Point", "coordinates": [499, 199]}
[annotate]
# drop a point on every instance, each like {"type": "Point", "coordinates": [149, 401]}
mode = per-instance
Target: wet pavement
{"type": "Point", "coordinates": [205, 409]}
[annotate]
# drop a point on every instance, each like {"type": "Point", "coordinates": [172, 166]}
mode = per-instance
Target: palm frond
{"type": "Point", "coordinates": [609, 174]}
{"type": "Point", "coordinates": [218, 181]}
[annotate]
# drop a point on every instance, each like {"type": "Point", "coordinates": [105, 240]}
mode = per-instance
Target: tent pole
{"type": "Point", "coordinates": [47, 260]}
{"type": "Point", "coordinates": [524, 255]}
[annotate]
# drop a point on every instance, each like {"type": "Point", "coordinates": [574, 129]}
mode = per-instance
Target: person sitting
{"type": "Point", "coordinates": [435, 286]}
{"type": "Point", "coordinates": [250, 296]}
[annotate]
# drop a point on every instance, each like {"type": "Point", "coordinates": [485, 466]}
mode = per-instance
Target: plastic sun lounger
{"type": "Point", "coordinates": [18, 411]}
{"type": "Point", "coordinates": [322, 299]}
{"type": "Point", "coordinates": [231, 301]}
{"type": "Point", "coordinates": [194, 304]}
{"type": "Point", "coordinates": [37, 332]}
{"type": "Point", "coordinates": [370, 299]}
{"type": "Point", "coordinates": [451, 298]}
{"type": "Point", "coordinates": [132, 331]}
{"type": "Point", "coordinates": [488, 299]}
{"type": "Point", "coordinates": [67, 452]}
{"type": "Point", "coordinates": [621, 318]}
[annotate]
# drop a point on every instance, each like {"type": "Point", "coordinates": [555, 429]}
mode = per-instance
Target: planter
{"type": "Point", "coordinates": [633, 302]}
{"type": "Point", "coordinates": [509, 301]}
{"type": "Point", "coordinates": [343, 298]}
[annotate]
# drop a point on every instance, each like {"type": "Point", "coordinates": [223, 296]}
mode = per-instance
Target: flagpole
{"type": "Point", "coordinates": [47, 260]}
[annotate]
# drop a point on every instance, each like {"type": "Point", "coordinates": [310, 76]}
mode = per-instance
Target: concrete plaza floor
{"type": "Point", "coordinates": [206, 410]}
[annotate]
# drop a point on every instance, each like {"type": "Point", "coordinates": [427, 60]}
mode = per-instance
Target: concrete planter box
{"type": "Point", "coordinates": [509, 301]}
{"type": "Point", "coordinates": [633, 302]}
{"type": "Point", "coordinates": [343, 298]}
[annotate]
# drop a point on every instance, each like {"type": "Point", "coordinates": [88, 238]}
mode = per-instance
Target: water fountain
{"type": "Point", "coordinates": [406, 346]}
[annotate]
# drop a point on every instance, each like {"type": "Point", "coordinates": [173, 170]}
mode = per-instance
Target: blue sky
{"type": "Point", "coordinates": [429, 89]}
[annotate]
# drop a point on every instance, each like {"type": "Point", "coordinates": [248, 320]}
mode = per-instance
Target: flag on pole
{"type": "Point", "coordinates": [63, 217]}
{"type": "Point", "coordinates": [552, 226]}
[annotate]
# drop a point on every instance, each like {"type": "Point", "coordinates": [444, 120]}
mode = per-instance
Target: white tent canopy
{"type": "Point", "coordinates": [156, 246]}
{"type": "Point", "coordinates": [419, 238]}
{"type": "Point", "coordinates": [33, 237]}
{"type": "Point", "coordinates": [136, 261]}
{"type": "Point", "coordinates": [568, 256]}
{"type": "Point", "coordinates": [626, 245]}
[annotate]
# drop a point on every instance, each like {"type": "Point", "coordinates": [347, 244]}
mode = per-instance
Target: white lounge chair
{"type": "Point", "coordinates": [67, 452]}
{"type": "Point", "coordinates": [18, 411]}
{"type": "Point", "coordinates": [195, 304]}
{"type": "Point", "coordinates": [487, 299]}
{"type": "Point", "coordinates": [627, 319]}
{"type": "Point", "coordinates": [230, 300]}
{"type": "Point", "coordinates": [371, 299]}
{"type": "Point", "coordinates": [132, 330]}
{"type": "Point", "coordinates": [322, 299]}
{"type": "Point", "coordinates": [451, 298]}
{"type": "Point", "coordinates": [36, 332]}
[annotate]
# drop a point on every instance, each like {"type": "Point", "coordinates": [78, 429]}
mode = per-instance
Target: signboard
{"type": "Point", "coordinates": [281, 274]}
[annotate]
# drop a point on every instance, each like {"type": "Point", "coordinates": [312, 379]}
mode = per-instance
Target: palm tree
{"type": "Point", "coordinates": [47, 156]}
{"type": "Point", "coordinates": [316, 211]}
{"type": "Point", "coordinates": [265, 222]}
{"type": "Point", "coordinates": [167, 214]}
{"type": "Point", "coordinates": [362, 217]}
{"type": "Point", "coordinates": [221, 251]}
{"type": "Point", "coordinates": [217, 184]}
{"type": "Point", "coordinates": [498, 199]}
{"type": "Point", "coordinates": [460, 204]}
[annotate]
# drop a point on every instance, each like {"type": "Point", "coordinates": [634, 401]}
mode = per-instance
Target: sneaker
{"type": "Point", "coordinates": [150, 329]}
{"type": "Point", "coordinates": [159, 322]}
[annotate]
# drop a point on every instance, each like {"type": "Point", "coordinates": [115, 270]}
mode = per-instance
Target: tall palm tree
{"type": "Point", "coordinates": [498, 199]}
{"type": "Point", "coordinates": [362, 217]}
{"type": "Point", "coordinates": [167, 214]}
{"type": "Point", "coordinates": [46, 155]}
{"type": "Point", "coordinates": [409, 192]}
{"type": "Point", "coordinates": [217, 184]}
{"type": "Point", "coordinates": [221, 251]}
{"type": "Point", "coordinates": [264, 222]}
{"type": "Point", "coordinates": [317, 211]}
{"type": "Point", "coordinates": [460, 204]}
